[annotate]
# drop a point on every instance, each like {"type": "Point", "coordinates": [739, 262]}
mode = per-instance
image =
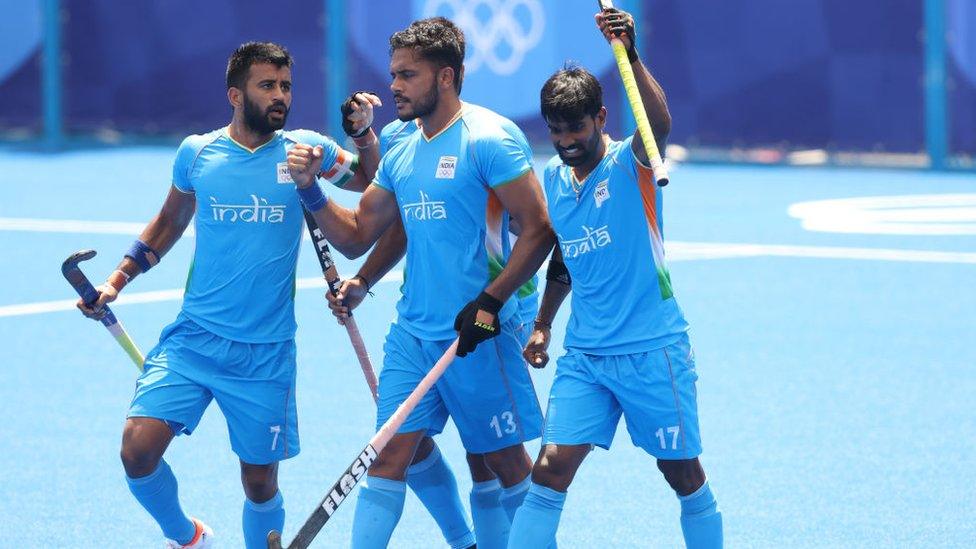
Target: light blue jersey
{"type": "Point", "coordinates": [442, 187]}
{"type": "Point", "coordinates": [609, 231]}
{"type": "Point", "coordinates": [395, 132]}
{"type": "Point", "coordinates": [249, 219]}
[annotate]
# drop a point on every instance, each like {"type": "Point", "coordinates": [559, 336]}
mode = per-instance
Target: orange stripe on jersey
{"type": "Point", "coordinates": [645, 182]}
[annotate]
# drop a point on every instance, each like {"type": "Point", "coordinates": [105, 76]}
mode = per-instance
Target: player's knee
{"type": "Point", "coordinates": [557, 465]}
{"type": "Point", "coordinates": [143, 445]}
{"type": "Point", "coordinates": [138, 462]}
{"type": "Point", "coordinates": [260, 481]}
{"type": "Point", "coordinates": [684, 475]}
{"type": "Point", "coordinates": [393, 461]}
{"type": "Point", "coordinates": [511, 464]}
{"type": "Point", "coordinates": [426, 447]}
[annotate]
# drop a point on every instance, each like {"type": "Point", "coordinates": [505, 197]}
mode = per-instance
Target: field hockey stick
{"type": "Point", "coordinates": [636, 105]}
{"type": "Point", "coordinates": [78, 280]}
{"type": "Point", "coordinates": [343, 487]}
{"type": "Point", "coordinates": [332, 279]}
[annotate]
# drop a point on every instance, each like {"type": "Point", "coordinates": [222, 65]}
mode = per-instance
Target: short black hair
{"type": "Point", "coordinates": [570, 94]}
{"type": "Point", "coordinates": [435, 39]}
{"type": "Point", "coordinates": [248, 54]}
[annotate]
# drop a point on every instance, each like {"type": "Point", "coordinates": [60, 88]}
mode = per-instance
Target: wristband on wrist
{"type": "Point", "coordinates": [118, 279]}
{"type": "Point", "coordinates": [312, 197]}
{"type": "Point", "coordinates": [543, 323]}
{"type": "Point", "coordinates": [488, 303]}
{"type": "Point", "coordinates": [366, 140]}
{"type": "Point", "coordinates": [144, 256]}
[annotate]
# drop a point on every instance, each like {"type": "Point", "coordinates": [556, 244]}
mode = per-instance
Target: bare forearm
{"type": "Point", "coordinates": [552, 298]}
{"type": "Point", "coordinates": [164, 230]}
{"type": "Point", "coordinates": [530, 250]}
{"type": "Point", "coordinates": [655, 102]}
{"type": "Point", "coordinates": [343, 229]}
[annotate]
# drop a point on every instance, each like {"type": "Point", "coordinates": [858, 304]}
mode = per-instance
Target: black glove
{"type": "Point", "coordinates": [346, 109]}
{"type": "Point", "coordinates": [470, 331]}
{"type": "Point", "coordinates": [620, 23]}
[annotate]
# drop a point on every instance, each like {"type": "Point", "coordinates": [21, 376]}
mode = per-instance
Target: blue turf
{"type": "Point", "coordinates": [836, 395]}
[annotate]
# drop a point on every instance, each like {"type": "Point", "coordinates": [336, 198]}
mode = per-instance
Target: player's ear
{"type": "Point", "coordinates": [235, 96]}
{"type": "Point", "coordinates": [445, 77]}
{"type": "Point", "coordinates": [601, 118]}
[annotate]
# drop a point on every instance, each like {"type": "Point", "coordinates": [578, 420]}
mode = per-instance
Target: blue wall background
{"type": "Point", "coordinates": [833, 74]}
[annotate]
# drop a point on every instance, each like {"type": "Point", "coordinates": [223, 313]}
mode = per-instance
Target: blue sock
{"type": "Point", "coordinates": [434, 483]}
{"type": "Point", "coordinates": [158, 494]}
{"type": "Point", "coordinates": [701, 521]}
{"type": "Point", "coordinates": [491, 522]}
{"type": "Point", "coordinates": [261, 518]}
{"type": "Point", "coordinates": [511, 497]}
{"type": "Point", "coordinates": [378, 510]}
{"type": "Point", "coordinates": [537, 519]}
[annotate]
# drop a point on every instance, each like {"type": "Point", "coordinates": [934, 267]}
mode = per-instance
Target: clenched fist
{"type": "Point", "coordinates": [304, 163]}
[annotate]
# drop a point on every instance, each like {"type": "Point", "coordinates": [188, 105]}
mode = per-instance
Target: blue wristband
{"type": "Point", "coordinates": [312, 197]}
{"type": "Point", "coordinates": [144, 256]}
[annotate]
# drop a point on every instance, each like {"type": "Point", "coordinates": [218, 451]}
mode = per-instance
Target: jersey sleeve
{"type": "Point", "coordinates": [501, 158]}
{"type": "Point", "coordinates": [625, 157]}
{"type": "Point", "coordinates": [382, 178]}
{"type": "Point", "coordinates": [183, 164]}
{"type": "Point", "coordinates": [338, 164]}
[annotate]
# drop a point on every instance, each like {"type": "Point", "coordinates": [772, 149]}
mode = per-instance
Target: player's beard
{"type": "Point", "coordinates": [422, 107]}
{"type": "Point", "coordinates": [590, 149]}
{"type": "Point", "coordinates": [260, 122]}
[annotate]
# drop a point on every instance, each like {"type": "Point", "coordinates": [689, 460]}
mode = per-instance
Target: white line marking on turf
{"type": "Point", "coordinates": [677, 251]}
{"type": "Point", "coordinates": [919, 214]}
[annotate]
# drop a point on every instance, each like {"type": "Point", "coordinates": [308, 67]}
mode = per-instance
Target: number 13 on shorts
{"type": "Point", "coordinates": [506, 424]}
{"type": "Point", "coordinates": [673, 432]}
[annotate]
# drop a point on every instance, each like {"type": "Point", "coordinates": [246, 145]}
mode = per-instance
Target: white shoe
{"type": "Point", "coordinates": [202, 538]}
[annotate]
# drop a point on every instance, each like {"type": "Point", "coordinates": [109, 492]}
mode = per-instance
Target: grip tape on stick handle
{"type": "Point", "coordinates": [637, 106]}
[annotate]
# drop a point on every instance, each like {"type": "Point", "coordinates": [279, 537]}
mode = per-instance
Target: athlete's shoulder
{"type": "Point", "coordinates": [196, 142]}
{"type": "Point", "coordinates": [618, 150]}
{"type": "Point", "coordinates": [482, 121]}
{"type": "Point", "coordinates": [192, 145]}
{"type": "Point", "coordinates": [395, 133]}
{"type": "Point", "coordinates": [307, 137]}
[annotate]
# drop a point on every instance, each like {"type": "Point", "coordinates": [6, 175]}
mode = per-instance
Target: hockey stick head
{"type": "Point", "coordinates": [77, 279]}
{"type": "Point", "coordinates": [76, 258]}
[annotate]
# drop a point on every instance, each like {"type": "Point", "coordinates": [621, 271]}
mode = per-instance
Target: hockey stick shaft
{"type": "Point", "coordinates": [331, 275]}
{"type": "Point", "coordinates": [341, 490]}
{"type": "Point", "coordinates": [73, 274]}
{"type": "Point", "coordinates": [637, 106]}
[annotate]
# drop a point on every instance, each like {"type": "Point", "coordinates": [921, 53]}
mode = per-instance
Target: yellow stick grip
{"type": "Point", "coordinates": [637, 107]}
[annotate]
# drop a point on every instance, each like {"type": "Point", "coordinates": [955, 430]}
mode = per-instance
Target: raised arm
{"type": "Point", "coordinates": [352, 232]}
{"type": "Point", "coordinates": [155, 240]}
{"type": "Point", "coordinates": [614, 23]}
{"type": "Point", "coordinates": [357, 121]}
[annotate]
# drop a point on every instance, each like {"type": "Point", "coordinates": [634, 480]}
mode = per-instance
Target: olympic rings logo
{"type": "Point", "coordinates": [503, 28]}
